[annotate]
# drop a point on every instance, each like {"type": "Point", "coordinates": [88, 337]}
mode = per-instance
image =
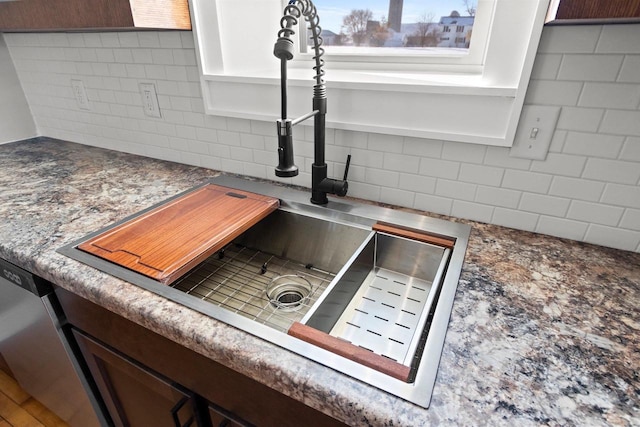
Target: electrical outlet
{"type": "Point", "coordinates": [80, 94]}
{"type": "Point", "coordinates": [149, 99]}
{"type": "Point", "coordinates": [534, 132]}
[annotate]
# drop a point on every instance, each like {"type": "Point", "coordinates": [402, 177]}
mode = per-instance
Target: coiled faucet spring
{"type": "Point", "coordinates": [321, 185]}
{"type": "Point", "coordinates": [284, 46]}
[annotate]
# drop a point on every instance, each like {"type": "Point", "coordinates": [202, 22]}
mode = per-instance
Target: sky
{"type": "Point", "coordinates": [331, 12]}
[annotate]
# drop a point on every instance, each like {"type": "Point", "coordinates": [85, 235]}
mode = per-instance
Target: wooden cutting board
{"type": "Point", "coordinates": [171, 239]}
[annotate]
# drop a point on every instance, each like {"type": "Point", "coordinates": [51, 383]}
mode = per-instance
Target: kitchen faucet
{"type": "Point", "coordinates": [321, 185]}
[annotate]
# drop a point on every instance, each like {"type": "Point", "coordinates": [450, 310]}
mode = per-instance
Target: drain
{"type": "Point", "coordinates": [288, 292]}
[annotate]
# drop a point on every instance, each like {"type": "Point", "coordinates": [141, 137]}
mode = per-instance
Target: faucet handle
{"type": "Point", "coordinates": [346, 167]}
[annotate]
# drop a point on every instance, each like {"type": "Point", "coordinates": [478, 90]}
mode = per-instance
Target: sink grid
{"type": "Point", "coordinates": [236, 278]}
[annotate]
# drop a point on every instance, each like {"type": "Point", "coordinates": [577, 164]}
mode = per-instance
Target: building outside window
{"type": "Point", "coordinates": [393, 24]}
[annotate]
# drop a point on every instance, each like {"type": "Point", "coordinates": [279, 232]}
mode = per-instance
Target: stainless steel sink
{"type": "Point", "coordinates": [329, 269]}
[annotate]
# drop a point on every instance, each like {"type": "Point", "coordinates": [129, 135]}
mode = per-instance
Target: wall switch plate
{"type": "Point", "coordinates": [535, 131]}
{"type": "Point", "coordinates": [80, 94]}
{"type": "Point", "coordinates": [149, 100]}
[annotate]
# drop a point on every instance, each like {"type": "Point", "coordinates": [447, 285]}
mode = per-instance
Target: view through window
{"type": "Point", "coordinates": [401, 26]}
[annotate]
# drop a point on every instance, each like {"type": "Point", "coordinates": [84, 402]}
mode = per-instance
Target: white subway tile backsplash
{"type": "Point", "coordinates": [546, 66]}
{"type": "Point", "coordinates": [580, 119]}
{"type": "Point", "coordinates": [473, 211]}
{"type": "Point", "coordinates": [610, 95]}
{"type": "Point", "coordinates": [593, 144]}
{"type": "Point", "coordinates": [456, 189]}
{"type": "Point", "coordinates": [382, 178]}
{"type": "Point", "coordinates": [573, 39]}
{"type": "Point", "coordinates": [417, 183]}
{"type": "Point", "coordinates": [254, 169]}
{"type": "Point", "coordinates": [370, 159]}
{"type": "Point", "coordinates": [386, 143]}
{"type": "Point", "coordinates": [124, 56]}
{"type": "Point", "coordinates": [631, 150]}
{"type": "Point", "coordinates": [613, 237]}
{"type": "Point", "coordinates": [574, 188]}
{"type": "Point", "coordinates": [630, 72]}
{"type": "Point", "coordinates": [498, 197]}
{"type": "Point", "coordinates": [595, 213]}
{"type": "Point", "coordinates": [560, 164]}
{"type": "Point", "coordinates": [422, 147]}
{"type": "Point", "coordinates": [553, 92]}
{"type": "Point", "coordinates": [401, 163]}
{"type": "Point", "coordinates": [631, 219]}
{"type": "Point", "coordinates": [128, 39]}
{"type": "Point", "coordinates": [90, 40]}
{"type": "Point", "coordinates": [186, 37]}
{"type": "Point", "coordinates": [149, 39]}
{"type": "Point", "coordinates": [435, 204]}
{"type": "Point", "coordinates": [527, 181]}
{"type": "Point", "coordinates": [589, 180]}
{"type": "Point", "coordinates": [622, 195]}
{"type": "Point", "coordinates": [514, 219]}
{"type": "Point", "coordinates": [499, 156]}
{"type": "Point", "coordinates": [604, 68]}
{"type": "Point", "coordinates": [105, 55]}
{"type": "Point", "coordinates": [542, 204]}
{"type": "Point", "coordinates": [170, 39]}
{"type": "Point", "coordinates": [619, 39]}
{"type": "Point", "coordinates": [612, 171]}
{"type": "Point", "coordinates": [469, 153]}
{"type": "Point", "coordinates": [242, 154]}
{"type": "Point", "coordinates": [162, 56]}
{"type": "Point", "coordinates": [360, 189]}
{"type": "Point", "coordinates": [561, 227]}
{"type": "Point", "coordinates": [621, 122]}
{"type": "Point", "coordinates": [479, 174]}
{"type": "Point", "coordinates": [351, 139]}
{"type": "Point", "coordinates": [397, 197]}
{"type": "Point", "coordinates": [108, 40]}
{"type": "Point", "coordinates": [254, 142]}
{"type": "Point", "coordinates": [439, 168]}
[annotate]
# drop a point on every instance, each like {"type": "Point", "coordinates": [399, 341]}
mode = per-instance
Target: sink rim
{"type": "Point", "coordinates": [346, 212]}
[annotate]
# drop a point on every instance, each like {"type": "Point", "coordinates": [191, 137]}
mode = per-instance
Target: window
{"type": "Point", "coordinates": [485, 81]}
{"type": "Point", "coordinates": [460, 29]}
{"type": "Point", "coordinates": [446, 29]}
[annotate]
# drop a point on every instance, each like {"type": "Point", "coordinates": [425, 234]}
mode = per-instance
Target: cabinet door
{"type": "Point", "coordinates": [135, 396]}
{"type": "Point", "coordinates": [222, 418]}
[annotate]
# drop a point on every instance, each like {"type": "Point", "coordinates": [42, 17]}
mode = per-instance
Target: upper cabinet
{"type": "Point", "coordinates": [60, 15]}
{"type": "Point", "coordinates": [593, 11]}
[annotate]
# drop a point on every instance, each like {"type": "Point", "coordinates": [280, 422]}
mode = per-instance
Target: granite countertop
{"type": "Point", "coordinates": [543, 331]}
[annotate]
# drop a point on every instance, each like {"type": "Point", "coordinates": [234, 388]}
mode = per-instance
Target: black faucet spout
{"type": "Point", "coordinates": [321, 185]}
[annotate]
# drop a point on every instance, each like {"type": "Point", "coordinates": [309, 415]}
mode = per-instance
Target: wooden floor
{"type": "Point", "coordinates": [18, 409]}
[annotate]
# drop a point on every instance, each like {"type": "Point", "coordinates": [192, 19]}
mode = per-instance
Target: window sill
{"type": "Point", "coordinates": [432, 104]}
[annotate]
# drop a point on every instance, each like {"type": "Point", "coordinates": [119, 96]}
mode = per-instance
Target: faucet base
{"type": "Point", "coordinates": [321, 185]}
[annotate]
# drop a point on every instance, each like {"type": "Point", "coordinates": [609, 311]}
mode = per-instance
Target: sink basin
{"type": "Point", "coordinates": [362, 289]}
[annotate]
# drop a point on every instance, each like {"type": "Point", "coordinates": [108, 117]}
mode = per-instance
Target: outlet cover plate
{"type": "Point", "coordinates": [80, 94]}
{"type": "Point", "coordinates": [535, 131]}
{"type": "Point", "coordinates": [149, 99]}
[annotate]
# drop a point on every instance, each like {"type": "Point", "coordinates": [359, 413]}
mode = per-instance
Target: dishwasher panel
{"type": "Point", "coordinates": [32, 347]}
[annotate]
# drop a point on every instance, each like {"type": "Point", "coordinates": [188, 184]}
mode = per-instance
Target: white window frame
{"type": "Point", "coordinates": [380, 58]}
{"type": "Point", "coordinates": [240, 76]}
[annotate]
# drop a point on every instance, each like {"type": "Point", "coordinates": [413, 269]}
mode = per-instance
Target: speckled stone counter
{"type": "Point", "coordinates": [543, 331]}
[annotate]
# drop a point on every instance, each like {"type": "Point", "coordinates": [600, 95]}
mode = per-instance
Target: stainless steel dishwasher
{"type": "Point", "coordinates": [34, 346]}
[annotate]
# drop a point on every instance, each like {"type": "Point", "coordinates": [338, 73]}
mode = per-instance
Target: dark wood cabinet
{"type": "Point", "coordinates": [135, 396]}
{"type": "Point", "coordinates": [127, 360]}
{"type": "Point", "coordinates": [593, 11]}
{"type": "Point", "coordinates": [57, 15]}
